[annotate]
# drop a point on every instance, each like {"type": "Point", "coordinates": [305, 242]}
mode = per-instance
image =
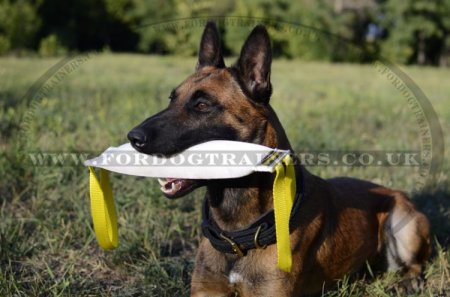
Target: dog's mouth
{"type": "Point", "coordinates": [175, 188]}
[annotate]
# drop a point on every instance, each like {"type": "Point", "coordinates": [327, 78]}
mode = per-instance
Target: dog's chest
{"type": "Point", "coordinates": [248, 276]}
{"type": "Point", "coordinates": [235, 278]}
{"type": "Point", "coordinates": [252, 282]}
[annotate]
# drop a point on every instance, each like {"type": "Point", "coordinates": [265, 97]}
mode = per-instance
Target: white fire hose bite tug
{"type": "Point", "coordinates": [210, 160]}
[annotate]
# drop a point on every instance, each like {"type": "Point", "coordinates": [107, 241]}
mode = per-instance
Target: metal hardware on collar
{"type": "Point", "coordinates": [255, 239]}
{"type": "Point", "coordinates": [245, 238]}
{"type": "Point", "coordinates": [234, 245]}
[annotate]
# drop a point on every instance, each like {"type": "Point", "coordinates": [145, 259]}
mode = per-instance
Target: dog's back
{"type": "Point", "coordinates": [365, 223]}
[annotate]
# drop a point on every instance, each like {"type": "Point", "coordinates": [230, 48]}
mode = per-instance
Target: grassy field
{"type": "Point", "coordinates": [47, 245]}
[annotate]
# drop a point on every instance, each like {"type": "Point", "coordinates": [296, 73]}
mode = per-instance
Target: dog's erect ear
{"type": "Point", "coordinates": [210, 53]}
{"type": "Point", "coordinates": [254, 65]}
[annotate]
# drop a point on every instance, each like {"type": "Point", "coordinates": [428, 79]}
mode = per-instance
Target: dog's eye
{"type": "Point", "coordinates": [201, 105]}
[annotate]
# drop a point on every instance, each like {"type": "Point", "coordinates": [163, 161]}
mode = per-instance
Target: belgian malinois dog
{"type": "Point", "coordinates": [341, 224]}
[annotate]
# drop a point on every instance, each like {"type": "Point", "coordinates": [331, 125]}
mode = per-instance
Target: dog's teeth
{"type": "Point", "coordinates": [169, 187]}
{"type": "Point", "coordinates": [162, 182]}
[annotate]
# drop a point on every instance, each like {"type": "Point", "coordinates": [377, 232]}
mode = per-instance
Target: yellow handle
{"type": "Point", "coordinates": [103, 209]}
{"type": "Point", "coordinates": [284, 189]}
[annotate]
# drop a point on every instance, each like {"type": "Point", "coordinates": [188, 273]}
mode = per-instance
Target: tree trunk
{"type": "Point", "coordinates": [421, 57]}
{"type": "Point", "coordinates": [444, 54]}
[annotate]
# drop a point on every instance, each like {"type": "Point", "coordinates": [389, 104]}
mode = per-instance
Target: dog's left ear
{"type": "Point", "coordinates": [254, 65]}
{"type": "Point", "coordinates": [210, 53]}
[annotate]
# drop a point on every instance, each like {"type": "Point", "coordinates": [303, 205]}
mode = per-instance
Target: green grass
{"type": "Point", "coordinates": [47, 246]}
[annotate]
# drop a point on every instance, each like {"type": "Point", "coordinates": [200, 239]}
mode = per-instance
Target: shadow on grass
{"type": "Point", "coordinates": [435, 203]}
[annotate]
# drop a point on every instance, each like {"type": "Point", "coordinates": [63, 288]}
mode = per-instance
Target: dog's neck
{"type": "Point", "coordinates": [235, 203]}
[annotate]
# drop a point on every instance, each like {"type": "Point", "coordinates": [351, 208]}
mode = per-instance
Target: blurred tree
{"type": "Point", "coordinates": [344, 25]}
{"type": "Point", "coordinates": [258, 11]}
{"type": "Point", "coordinates": [173, 33]}
{"type": "Point", "coordinates": [418, 31]}
{"type": "Point", "coordinates": [409, 31]}
{"type": "Point", "coordinates": [51, 46]}
{"type": "Point", "coordinates": [315, 30]}
{"type": "Point", "coordinates": [86, 25]}
{"type": "Point", "coordinates": [19, 23]}
{"type": "Point", "coordinates": [139, 14]}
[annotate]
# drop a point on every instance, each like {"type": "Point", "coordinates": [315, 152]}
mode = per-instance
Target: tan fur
{"type": "Point", "coordinates": [342, 224]}
{"type": "Point", "coordinates": [340, 227]}
{"type": "Point", "coordinates": [240, 112]}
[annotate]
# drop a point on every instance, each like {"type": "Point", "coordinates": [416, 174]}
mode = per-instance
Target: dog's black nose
{"type": "Point", "coordinates": [137, 138]}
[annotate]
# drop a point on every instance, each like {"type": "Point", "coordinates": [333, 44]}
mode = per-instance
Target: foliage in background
{"type": "Point", "coordinates": [51, 46]}
{"type": "Point", "coordinates": [404, 31]}
{"type": "Point", "coordinates": [422, 31]}
{"type": "Point", "coordinates": [19, 25]}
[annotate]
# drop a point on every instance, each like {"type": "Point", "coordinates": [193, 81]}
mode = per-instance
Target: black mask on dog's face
{"type": "Point", "coordinates": [216, 102]}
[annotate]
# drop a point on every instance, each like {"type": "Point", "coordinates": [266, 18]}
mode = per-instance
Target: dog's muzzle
{"type": "Point", "coordinates": [138, 139]}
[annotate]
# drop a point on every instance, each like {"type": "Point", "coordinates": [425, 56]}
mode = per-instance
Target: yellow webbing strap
{"type": "Point", "coordinates": [103, 209]}
{"type": "Point", "coordinates": [284, 189]}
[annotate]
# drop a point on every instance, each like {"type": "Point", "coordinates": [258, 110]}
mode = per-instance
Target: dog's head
{"type": "Point", "coordinates": [214, 103]}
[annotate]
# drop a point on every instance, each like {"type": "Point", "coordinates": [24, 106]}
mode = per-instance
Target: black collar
{"type": "Point", "coordinates": [258, 234]}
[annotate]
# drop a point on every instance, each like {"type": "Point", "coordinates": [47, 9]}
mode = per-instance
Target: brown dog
{"type": "Point", "coordinates": [339, 225]}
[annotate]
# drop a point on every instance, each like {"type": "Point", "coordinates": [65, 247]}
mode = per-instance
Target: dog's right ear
{"type": "Point", "coordinates": [210, 53]}
{"type": "Point", "coordinates": [254, 65]}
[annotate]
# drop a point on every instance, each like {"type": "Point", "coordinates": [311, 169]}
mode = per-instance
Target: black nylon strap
{"type": "Point", "coordinates": [244, 238]}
